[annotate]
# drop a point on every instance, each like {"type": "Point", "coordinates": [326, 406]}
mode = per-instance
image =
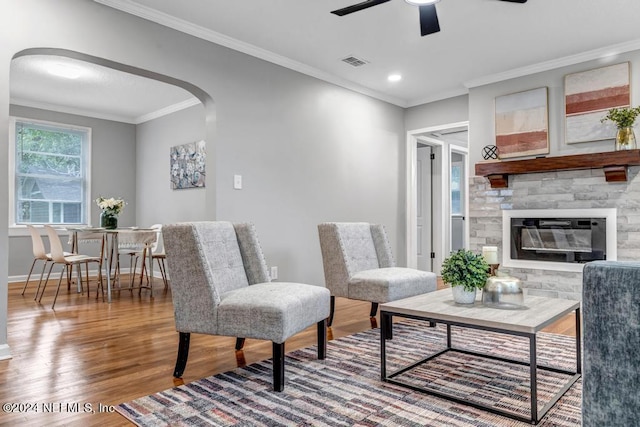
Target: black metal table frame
{"type": "Point", "coordinates": [386, 332]}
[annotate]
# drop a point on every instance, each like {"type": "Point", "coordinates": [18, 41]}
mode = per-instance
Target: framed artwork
{"type": "Point", "coordinates": [188, 165]}
{"type": "Point", "coordinates": [588, 95]}
{"type": "Point", "coordinates": [522, 123]}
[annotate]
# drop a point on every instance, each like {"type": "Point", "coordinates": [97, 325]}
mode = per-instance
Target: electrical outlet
{"type": "Point", "coordinates": [274, 273]}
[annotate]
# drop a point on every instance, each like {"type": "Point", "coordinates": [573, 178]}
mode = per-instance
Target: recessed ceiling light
{"type": "Point", "coordinates": [60, 69]}
{"type": "Point", "coordinates": [394, 77]}
{"type": "Point", "coordinates": [421, 2]}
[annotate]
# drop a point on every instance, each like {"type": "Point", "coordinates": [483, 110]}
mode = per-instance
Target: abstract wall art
{"type": "Point", "coordinates": [522, 124]}
{"type": "Point", "coordinates": [588, 95]}
{"type": "Point", "coordinates": [188, 165]}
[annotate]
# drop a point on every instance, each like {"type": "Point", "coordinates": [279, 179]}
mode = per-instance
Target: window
{"type": "Point", "coordinates": [49, 173]}
{"type": "Point", "coordinates": [456, 189]}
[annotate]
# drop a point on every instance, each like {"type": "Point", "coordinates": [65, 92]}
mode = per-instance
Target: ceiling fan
{"type": "Point", "coordinates": [428, 17]}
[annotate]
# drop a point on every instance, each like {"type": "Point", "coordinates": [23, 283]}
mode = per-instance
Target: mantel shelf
{"type": "Point", "coordinates": [614, 164]}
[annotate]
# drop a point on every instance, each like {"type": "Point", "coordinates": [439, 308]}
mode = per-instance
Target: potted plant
{"type": "Point", "coordinates": [465, 272]}
{"type": "Point", "coordinates": [624, 118]}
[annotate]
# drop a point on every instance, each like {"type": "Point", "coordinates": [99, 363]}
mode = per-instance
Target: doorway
{"type": "Point", "coordinates": [436, 194]}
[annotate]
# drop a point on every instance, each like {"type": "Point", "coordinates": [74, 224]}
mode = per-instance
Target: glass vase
{"type": "Point", "coordinates": [625, 139]}
{"type": "Point", "coordinates": [108, 220]}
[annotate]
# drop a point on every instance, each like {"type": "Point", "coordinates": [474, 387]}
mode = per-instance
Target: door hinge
{"type": "Point", "coordinates": [433, 156]}
{"type": "Point", "coordinates": [433, 255]}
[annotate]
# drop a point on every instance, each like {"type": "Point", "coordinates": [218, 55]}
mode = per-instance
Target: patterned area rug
{"type": "Point", "coordinates": [345, 389]}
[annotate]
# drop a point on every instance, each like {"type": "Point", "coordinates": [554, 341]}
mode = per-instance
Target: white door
{"type": "Point", "coordinates": [424, 202]}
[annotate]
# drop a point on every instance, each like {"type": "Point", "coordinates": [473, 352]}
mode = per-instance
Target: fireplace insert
{"type": "Point", "coordinates": [569, 240]}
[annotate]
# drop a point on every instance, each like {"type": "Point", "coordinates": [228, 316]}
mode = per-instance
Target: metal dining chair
{"type": "Point", "coordinates": [39, 254]}
{"type": "Point", "coordinates": [68, 261]}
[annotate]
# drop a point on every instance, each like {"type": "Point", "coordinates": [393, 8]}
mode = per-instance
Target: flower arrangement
{"type": "Point", "coordinates": [111, 205]}
{"type": "Point", "coordinates": [623, 117]}
{"type": "Point", "coordinates": [465, 268]}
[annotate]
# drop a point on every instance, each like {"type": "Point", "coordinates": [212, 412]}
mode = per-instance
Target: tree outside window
{"type": "Point", "coordinates": [50, 173]}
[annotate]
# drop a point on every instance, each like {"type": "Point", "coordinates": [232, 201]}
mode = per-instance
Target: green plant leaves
{"type": "Point", "coordinates": [465, 268]}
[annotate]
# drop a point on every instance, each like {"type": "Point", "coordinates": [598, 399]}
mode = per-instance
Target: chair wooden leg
{"type": "Point", "coordinates": [278, 366]}
{"type": "Point", "coordinates": [374, 309]}
{"type": "Point", "coordinates": [183, 354]}
{"type": "Point", "coordinates": [239, 343]}
{"type": "Point", "coordinates": [332, 308]}
{"type": "Point", "coordinates": [322, 339]}
{"type": "Point", "coordinates": [163, 272]}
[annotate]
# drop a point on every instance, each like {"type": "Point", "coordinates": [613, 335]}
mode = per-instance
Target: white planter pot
{"type": "Point", "coordinates": [462, 296]}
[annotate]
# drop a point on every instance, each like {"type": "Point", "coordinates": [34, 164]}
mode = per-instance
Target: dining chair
{"type": "Point", "coordinates": [39, 254]}
{"type": "Point", "coordinates": [68, 261]}
{"type": "Point", "coordinates": [157, 254]}
{"type": "Point", "coordinates": [220, 285]}
{"type": "Point", "coordinates": [358, 264]}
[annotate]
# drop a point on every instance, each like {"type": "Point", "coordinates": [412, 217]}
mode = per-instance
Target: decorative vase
{"type": "Point", "coordinates": [625, 139]}
{"type": "Point", "coordinates": [462, 296]}
{"type": "Point", "coordinates": [108, 220]}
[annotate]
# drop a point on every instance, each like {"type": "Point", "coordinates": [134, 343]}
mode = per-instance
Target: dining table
{"type": "Point", "coordinates": [111, 240]}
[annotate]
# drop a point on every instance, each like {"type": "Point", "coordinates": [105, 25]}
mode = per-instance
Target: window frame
{"type": "Point", "coordinates": [21, 229]}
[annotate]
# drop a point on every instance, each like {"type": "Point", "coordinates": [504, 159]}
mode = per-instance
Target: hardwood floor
{"type": "Point", "coordinates": [91, 353]}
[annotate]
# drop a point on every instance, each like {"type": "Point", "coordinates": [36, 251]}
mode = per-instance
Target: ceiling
{"type": "Point", "coordinates": [480, 42]}
{"type": "Point", "coordinates": [97, 92]}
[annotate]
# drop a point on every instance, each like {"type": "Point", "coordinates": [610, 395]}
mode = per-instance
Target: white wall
{"type": "Point", "coordinates": [309, 151]}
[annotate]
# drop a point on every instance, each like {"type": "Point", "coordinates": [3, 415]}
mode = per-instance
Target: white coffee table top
{"type": "Point", "coordinates": [538, 312]}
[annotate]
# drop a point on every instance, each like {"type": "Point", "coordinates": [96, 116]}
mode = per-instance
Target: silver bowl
{"type": "Point", "coordinates": [503, 292]}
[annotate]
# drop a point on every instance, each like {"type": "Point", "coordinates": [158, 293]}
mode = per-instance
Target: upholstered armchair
{"type": "Point", "coordinates": [358, 264]}
{"type": "Point", "coordinates": [611, 343]}
{"type": "Point", "coordinates": [220, 286]}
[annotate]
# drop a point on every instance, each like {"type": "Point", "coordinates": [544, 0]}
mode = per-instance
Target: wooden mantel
{"type": "Point", "coordinates": [614, 164]}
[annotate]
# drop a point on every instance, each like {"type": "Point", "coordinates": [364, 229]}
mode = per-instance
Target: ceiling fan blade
{"type": "Point", "coordinates": [428, 19]}
{"type": "Point", "coordinates": [357, 7]}
{"type": "Point", "coordinates": [516, 1]}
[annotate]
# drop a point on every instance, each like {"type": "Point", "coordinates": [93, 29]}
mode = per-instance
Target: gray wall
{"type": "Point", "coordinates": [113, 165]}
{"type": "Point", "coordinates": [156, 201]}
{"type": "Point", "coordinates": [309, 151]}
{"type": "Point", "coordinates": [452, 110]}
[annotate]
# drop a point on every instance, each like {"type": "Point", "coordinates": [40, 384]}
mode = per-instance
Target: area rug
{"type": "Point", "coordinates": [345, 389]}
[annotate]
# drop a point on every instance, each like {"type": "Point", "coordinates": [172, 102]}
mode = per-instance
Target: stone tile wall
{"type": "Point", "coordinates": [581, 189]}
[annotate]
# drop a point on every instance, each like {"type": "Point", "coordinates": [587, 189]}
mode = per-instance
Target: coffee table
{"type": "Point", "coordinates": [438, 307]}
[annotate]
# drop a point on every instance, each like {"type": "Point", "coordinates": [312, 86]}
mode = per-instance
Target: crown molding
{"type": "Point", "coordinates": [186, 27]}
{"type": "Point", "coordinates": [167, 110]}
{"type": "Point", "coordinates": [604, 52]}
{"type": "Point", "coordinates": [438, 97]}
{"type": "Point", "coordinates": [70, 110]}
{"type": "Point", "coordinates": [103, 116]}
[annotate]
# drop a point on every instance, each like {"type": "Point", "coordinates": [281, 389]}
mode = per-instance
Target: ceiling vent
{"type": "Point", "coordinates": [354, 62]}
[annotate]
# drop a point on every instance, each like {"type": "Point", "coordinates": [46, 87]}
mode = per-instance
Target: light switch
{"type": "Point", "coordinates": [237, 182]}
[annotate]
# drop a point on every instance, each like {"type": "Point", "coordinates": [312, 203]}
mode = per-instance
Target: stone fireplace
{"type": "Point", "coordinates": [547, 194]}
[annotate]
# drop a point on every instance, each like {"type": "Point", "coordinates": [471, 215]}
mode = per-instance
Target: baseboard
{"type": "Point", "coordinates": [5, 352]}
{"type": "Point", "coordinates": [92, 273]}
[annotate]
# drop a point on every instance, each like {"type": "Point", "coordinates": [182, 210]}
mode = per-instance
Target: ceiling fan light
{"type": "Point", "coordinates": [421, 2]}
